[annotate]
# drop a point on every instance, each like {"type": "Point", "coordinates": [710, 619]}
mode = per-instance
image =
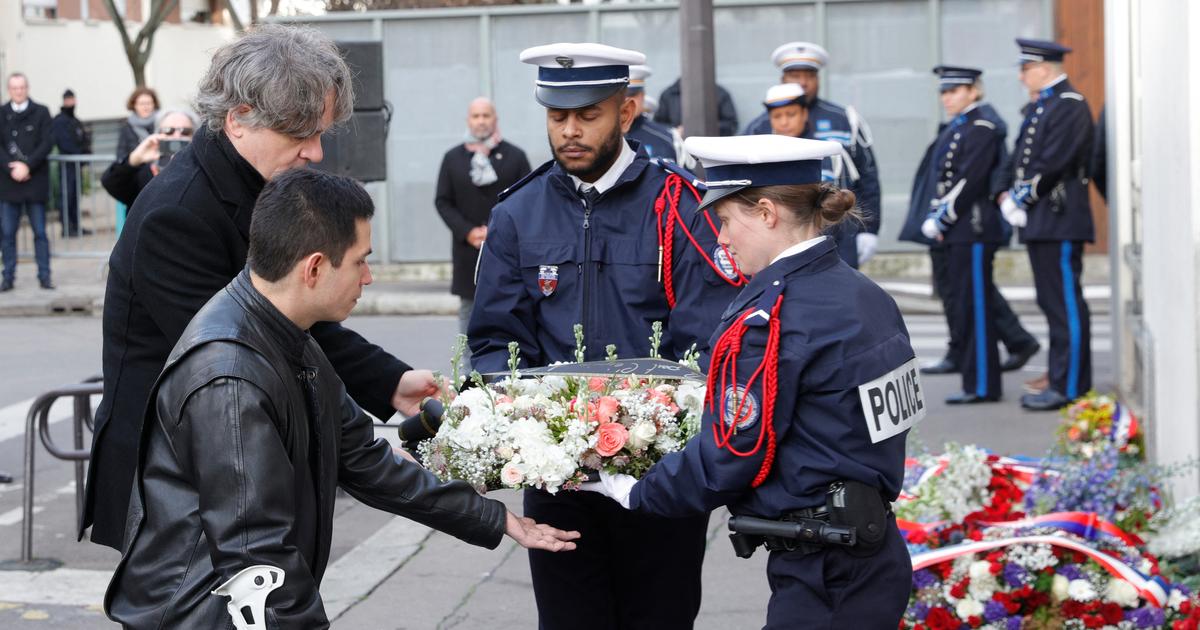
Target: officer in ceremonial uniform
{"type": "Point", "coordinates": [812, 388]}
{"type": "Point", "coordinates": [605, 237]}
{"type": "Point", "coordinates": [801, 63]}
{"type": "Point", "coordinates": [1049, 200]}
{"type": "Point", "coordinates": [943, 162]}
{"type": "Point", "coordinates": [959, 189]}
{"type": "Point", "coordinates": [657, 140]}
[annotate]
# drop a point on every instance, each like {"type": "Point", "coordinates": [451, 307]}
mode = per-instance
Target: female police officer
{"type": "Point", "coordinates": [812, 386]}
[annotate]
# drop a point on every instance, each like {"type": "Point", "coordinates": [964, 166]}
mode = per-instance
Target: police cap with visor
{"type": "Point", "coordinates": [573, 76]}
{"type": "Point", "coordinates": [735, 163]}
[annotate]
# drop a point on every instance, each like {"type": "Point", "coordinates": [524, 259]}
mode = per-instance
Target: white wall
{"type": "Point", "coordinates": [1162, 114]}
{"type": "Point", "coordinates": [88, 57]}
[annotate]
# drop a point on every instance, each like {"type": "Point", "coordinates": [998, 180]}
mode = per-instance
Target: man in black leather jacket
{"type": "Point", "coordinates": [250, 432]}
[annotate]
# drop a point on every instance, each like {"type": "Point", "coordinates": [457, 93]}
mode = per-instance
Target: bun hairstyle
{"type": "Point", "coordinates": [821, 205]}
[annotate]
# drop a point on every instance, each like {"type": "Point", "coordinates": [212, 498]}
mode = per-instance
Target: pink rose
{"type": "Point", "coordinates": [606, 408]}
{"type": "Point", "coordinates": [611, 437]}
{"type": "Point", "coordinates": [503, 398]}
{"type": "Point", "coordinates": [597, 383]}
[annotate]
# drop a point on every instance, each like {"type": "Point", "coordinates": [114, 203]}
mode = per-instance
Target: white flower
{"type": "Point", "coordinates": [983, 584]}
{"type": "Point", "coordinates": [1174, 599]}
{"type": "Point", "coordinates": [968, 607]}
{"type": "Point", "coordinates": [1059, 588]}
{"type": "Point", "coordinates": [504, 452]}
{"type": "Point", "coordinates": [641, 434]}
{"type": "Point", "coordinates": [512, 474]}
{"type": "Point", "coordinates": [1122, 593]}
{"type": "Point", "coordinates": [1080, 590]}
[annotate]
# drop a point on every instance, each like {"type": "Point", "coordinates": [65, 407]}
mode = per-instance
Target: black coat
{"type": "Point", "coordinates": [70, 136]}
{"type": "Point", "coordinates": [670, 109]}
{"type": "Point", "coordinates": [122, 181]}
{"type": "Point", "coordinates": [249, 436]}
{"type": "Point", "coordinates": [465, 206]}
{"type": "Point", "coordinates": [184, 239]}
{"type": "Point", "coordinates": [26, 138]}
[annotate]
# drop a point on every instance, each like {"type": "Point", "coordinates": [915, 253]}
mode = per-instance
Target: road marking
{"type": "Point", "coordinates": [60, 587]}
{"type": "Point", "coordinates": [13, 516]}
{"type": "Point", "coordinates": [357, 573]}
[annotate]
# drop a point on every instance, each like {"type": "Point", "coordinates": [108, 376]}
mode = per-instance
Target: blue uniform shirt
{"type": "Point", "coordinates": [1051, 152]}
{"type": "Point", "coordinates": [838, 331]}
{"type": "Point", "coordinates": [969, 147]}
{"type": "Point", "coordinates": [542, 271]}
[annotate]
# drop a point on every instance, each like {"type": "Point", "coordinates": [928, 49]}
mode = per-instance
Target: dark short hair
{"type": "Point", "coordinates": [301, 212]}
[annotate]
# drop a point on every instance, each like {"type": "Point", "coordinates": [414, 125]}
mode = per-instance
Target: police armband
{"type": "Point", "coordinates": [859, 507]}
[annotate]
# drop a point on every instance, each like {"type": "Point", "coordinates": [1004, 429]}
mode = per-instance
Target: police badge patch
{"type": "Point", "coordinates": [741, 404]}
{"type": "Point", "coordinates": [548, 279]}
{"type": "Point", "coordinates": [724, 263]}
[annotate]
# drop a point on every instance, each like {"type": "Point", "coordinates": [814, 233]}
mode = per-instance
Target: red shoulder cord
{"type": "Point", "coordinates": [724, 368]}
{"type": "Point", "coordinates": [668, 204]}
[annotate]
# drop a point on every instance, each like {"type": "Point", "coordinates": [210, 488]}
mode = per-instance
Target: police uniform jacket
{"type": "Point", "coordinates": [69, 135]}
{"type": "Point", "coordinates": [969, 147]}
{"type": "Point", "coordinates": [25, 137]}
{"type": "Point", "coordinates": [1052, 152]}
{"type": "Point", "coordinates": [838, 330]}
{"type": "Point", "coordinates": [656, 140]}
{"type": "Point", "coordinates": [247, 438]}
{"type": "Point", "coordinates": [598, 268]}
{"type": "Point", "coordinates": [185, 238]}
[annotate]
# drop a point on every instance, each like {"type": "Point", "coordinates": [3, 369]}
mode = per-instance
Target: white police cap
{"type": "Point", "coordinates": [638, 76]}
{"type": "Point", "coordinates": [784, 94]}
{"type": "Point", "coordinates": [649, 104]}
{"type": "Point", "coordinates": [734, 163]}
{"type": "Point", "coordinates": [571, 76]}
{"type": "Point", "coordinates": [799, 56]}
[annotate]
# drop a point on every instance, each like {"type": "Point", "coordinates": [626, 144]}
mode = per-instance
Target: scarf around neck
{"type": "Point", "coordinates": [482, 173]}
{"type": "Point", "coordinates": [143, 127]}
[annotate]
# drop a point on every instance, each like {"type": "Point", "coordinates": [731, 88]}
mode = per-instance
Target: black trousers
{"type": "Point", "coordinates": [69, 187]}
{"type": "Point", "coordinates": [833, 589]}
{"type": "Point", "coordinates": [973, 322]}
{"type": "Point", "coordinates": [1057, 266]}
{"type": "Point", "coordinates": [629, 571]}
{"type": "Point", "coordinates": [1008, 327]}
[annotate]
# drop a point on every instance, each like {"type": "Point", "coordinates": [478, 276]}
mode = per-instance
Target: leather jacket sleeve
{"type": "Point", "coordinates": [373, 474]}
{"type": "Point", "coordinates": [228, 441]}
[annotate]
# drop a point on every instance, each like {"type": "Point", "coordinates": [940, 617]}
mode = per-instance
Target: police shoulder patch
{"type": "Point", "coordinates": [524, 180]}
{"type": "Point", "coordinates": [740, 406]}
{"type": "Point", "coordinates": [724, 263]}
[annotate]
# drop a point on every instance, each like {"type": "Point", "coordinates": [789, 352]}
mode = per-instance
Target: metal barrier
{"type": "Point", "coordinates": [37, 424]}
{"type": "Point", "coordinates": [75, 183]}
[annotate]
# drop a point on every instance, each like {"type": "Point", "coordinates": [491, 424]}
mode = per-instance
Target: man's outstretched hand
{"type": "Point", "coordinates": [533, 535]}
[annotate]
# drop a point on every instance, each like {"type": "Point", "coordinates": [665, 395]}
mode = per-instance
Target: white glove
{"type": "Point", "coordinates": [1013, 214]}
{"type": "Point", "coordinates": [866, 243]}
{"type": "Point", "coordinates": [930, 229]}
{"type": "Point", "coordinates": [616, 487]}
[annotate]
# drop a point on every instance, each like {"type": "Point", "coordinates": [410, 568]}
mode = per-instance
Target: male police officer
{"type": "Point", "coordinates": [597, 237]}
{"type": "Point", "coordinates": [1049, 199]}
{"type": "Point", "coordinates": [657, 140]}
{"type": "Point", "coordinates": [801, 62]}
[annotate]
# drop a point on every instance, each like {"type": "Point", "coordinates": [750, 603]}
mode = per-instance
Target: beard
{"type": "Point", "coordinates": [605, 155]}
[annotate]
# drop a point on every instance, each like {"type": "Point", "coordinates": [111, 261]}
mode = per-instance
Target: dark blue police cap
{"type": "Point", "coordinates": [1034, 50]}
{"type": "Point", "coordinates": [950, 77]}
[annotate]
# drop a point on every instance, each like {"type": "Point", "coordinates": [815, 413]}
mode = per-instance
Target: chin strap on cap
{"type": "Point", "coordinates": [247, 592]}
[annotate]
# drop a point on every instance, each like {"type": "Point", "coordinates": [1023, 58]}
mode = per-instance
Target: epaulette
{"type": "Point", "coordinates": [524, 180]}
{"type": "Point", "coordinates": [985, 123]}
{"type": "Point", "coordinates": [671, 167]}
{"type": "Point", "coordinates": [1071, 95]}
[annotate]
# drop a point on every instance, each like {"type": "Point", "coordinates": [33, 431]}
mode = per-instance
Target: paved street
{"type": "Point", "coordinates": [386, 572]}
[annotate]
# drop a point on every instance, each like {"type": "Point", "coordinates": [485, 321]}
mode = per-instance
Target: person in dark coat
{"type": "Point", "coordinates": [472, 175]}
{"type": "Point", "coordinates": [670, 109]}
{"type": "Point", "coordinates": [25, 178]}
{"type": "Point", "coordinates": [71, 138]}
{"type": "Point", "coordinates": [186, 238]}
{"type": "Point", "coordinates": [657, 140]}
{"type": "Point", "coordinates": [1049, 200]}
{"type": "Point", "coordinates": [125, 178]}
{"type": "Point", "coordinates": [251, 432]}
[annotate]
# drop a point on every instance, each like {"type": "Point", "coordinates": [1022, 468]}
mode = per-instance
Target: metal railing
{"type": "Point", "coordinates": [37, 425]}
{"type": "Point", "coordinates": [88, 230]}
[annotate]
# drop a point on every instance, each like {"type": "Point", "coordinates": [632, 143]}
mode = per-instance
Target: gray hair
{"type": "Point", "coordinates": [282, 74]}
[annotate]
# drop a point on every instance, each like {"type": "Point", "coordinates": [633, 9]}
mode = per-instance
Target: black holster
{"type": "Point", "coordinates": [861, 507]}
